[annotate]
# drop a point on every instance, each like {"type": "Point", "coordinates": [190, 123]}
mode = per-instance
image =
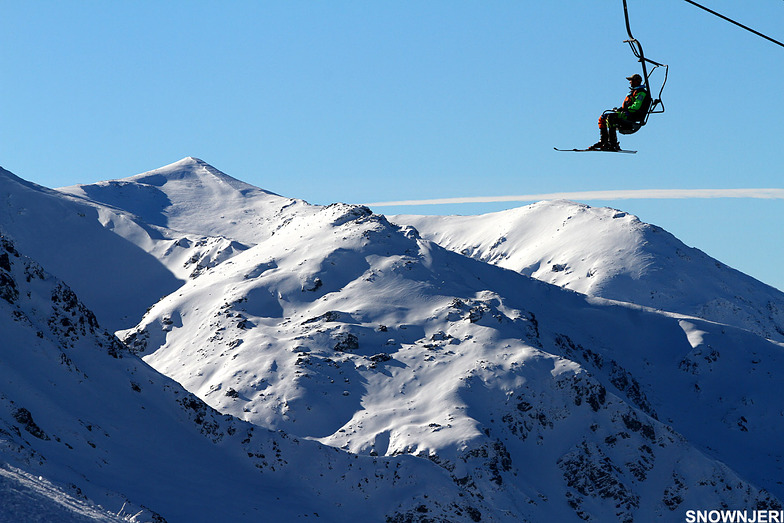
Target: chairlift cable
{"type": "Point", "coordinates": [734, 22]}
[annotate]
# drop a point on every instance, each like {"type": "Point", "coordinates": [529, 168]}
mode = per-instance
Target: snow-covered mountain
{"type": "Point", "coordinates": [439, 386]}
{"type": "Point", "coordinates": [90, 432]}
{"type": "Point", "coordinates": [609, 253]}
{"type": "Point", "coordinates": [381, 343]}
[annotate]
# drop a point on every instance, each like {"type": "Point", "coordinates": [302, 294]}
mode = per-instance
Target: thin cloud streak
{"type": "Point", "coordinates": [638, 194]}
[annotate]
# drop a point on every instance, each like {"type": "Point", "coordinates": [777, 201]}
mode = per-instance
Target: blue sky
{"type": "Point", "coordinates": [375, 101]}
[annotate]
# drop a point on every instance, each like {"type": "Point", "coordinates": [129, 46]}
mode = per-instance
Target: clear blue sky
{"type": "Point", "coordinates": [368, 101]}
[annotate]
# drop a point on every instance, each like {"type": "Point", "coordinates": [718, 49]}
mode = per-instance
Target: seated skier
{"type": "Point", "coordinates": [632, 112]}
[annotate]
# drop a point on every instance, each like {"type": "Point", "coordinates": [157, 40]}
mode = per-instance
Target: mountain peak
{"type": "Point", "coordinates": [190, 169]}
{"type": "Point", "coordinates": [190, 195]}
{"type": "Point", "coordinates": [188, 163]}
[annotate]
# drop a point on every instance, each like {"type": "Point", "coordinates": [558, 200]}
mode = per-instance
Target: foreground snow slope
{"type": "Point", "coordinates": [609, 253]}
{"type": "Point", "coordinates": [89, 431]}
{"type": "Point", "coordinates": [548, 405]}
{"type": "Point", "coordinates": [27, 498]}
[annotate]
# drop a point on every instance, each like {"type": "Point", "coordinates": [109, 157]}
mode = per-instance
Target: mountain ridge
{"type": "Point", "coordinates": [609, 253]}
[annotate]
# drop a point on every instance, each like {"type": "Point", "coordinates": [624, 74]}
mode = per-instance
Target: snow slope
{"type": "Point", "coordinates": [549, 405]}
{"type": "Point", "coordinates": [118, 262]}
{"type": "Point", "coordinates": [27, 498]}
{"type": "Point", "coordinates": [612, 254]}
{"type": "Point", "coordinates": [115, 276]}
{"type": "Point", "coordinates": [89, 432]}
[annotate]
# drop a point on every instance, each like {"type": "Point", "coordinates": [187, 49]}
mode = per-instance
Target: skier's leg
{"type": "Point", "coordinates": [613, 121]}
{"type": "Point", "coordinates": [613, 143]}
{"type": "Point", "coordinates": [603, 134]}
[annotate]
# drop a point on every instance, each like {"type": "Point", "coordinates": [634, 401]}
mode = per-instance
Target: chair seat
{"type": "Point", "coordinates": [630, 127]}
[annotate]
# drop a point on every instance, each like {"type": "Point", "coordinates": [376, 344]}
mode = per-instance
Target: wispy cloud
{"type": "Point", "coordinates": [639, 194]}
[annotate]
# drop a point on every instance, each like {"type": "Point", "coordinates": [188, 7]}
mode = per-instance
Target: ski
{"type": "Point", "coordinates": [594, 151]}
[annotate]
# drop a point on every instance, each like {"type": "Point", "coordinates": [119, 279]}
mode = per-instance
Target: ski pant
{"type": "Point", "coordinates": [612, 120]}
{"type": "Point", "coordinates": [609, 123]}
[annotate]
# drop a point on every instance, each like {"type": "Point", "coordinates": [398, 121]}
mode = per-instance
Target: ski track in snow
{"type": "Point", "coordinates": [27, 498]}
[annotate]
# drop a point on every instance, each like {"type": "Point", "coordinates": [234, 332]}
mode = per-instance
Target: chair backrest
{"type": "Point", "coordinates": [646, 104]}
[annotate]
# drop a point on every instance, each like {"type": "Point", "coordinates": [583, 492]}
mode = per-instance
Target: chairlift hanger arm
{"type": "Point", "coordinates": [635, 44]}
{"type": "Point", "coordinates": [657, 106]}
{"type": "Point", "coordinates": [628, 27]}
